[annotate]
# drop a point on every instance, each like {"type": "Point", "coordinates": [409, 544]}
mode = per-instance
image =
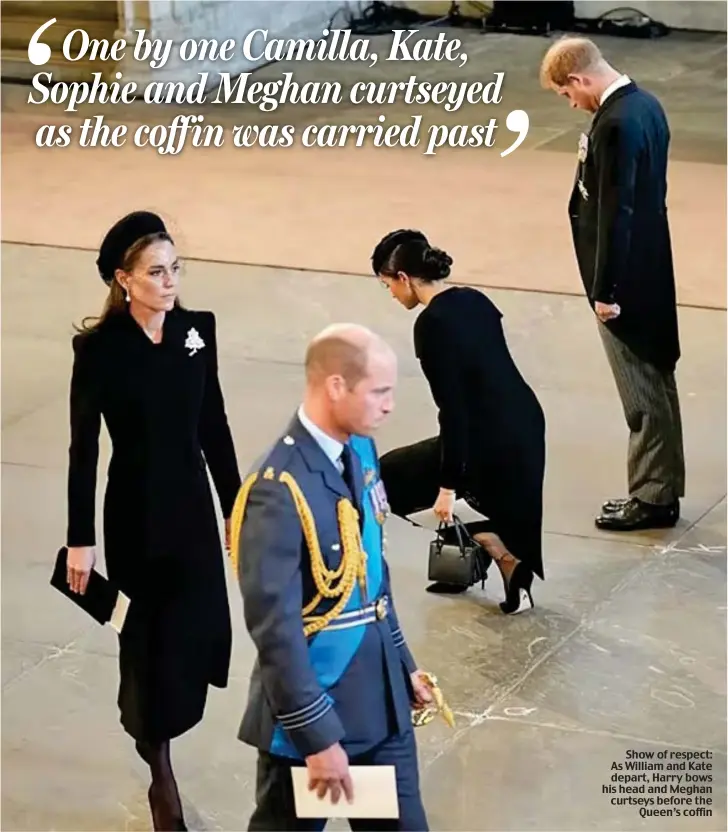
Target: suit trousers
{"type": "Point", "coordinates": [276, 809]}
{"type": "Point", "coordinates": [655, 459]}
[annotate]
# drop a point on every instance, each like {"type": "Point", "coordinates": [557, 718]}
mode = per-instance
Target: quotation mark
{"type": "Point", "coordinates": [40, 53]}
{"type": "Point", "coordinates": [517, 122]}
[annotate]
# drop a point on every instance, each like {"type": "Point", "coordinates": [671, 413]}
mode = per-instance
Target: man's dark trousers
{"type": "Point", "coordinates": [276, 808]}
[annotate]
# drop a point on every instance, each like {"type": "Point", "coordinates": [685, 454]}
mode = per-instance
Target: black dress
{"type": "Point", "coordinates": [163, 408]}
{"type": "Point", "coordinates": [491, 446]}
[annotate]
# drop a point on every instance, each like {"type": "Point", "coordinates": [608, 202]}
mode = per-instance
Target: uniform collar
{"type": "Point", "coordinates": [330, 446]}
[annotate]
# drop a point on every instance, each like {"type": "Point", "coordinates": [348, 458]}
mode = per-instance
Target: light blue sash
{"type": "Point", "coordinates": [331, 651]}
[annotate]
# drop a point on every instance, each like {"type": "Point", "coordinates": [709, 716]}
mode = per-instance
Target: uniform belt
{"type": "Point", "coordinates": [357, 618]}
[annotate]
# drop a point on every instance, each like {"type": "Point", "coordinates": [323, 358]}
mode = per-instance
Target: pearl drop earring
{"type": "Point", "coordinates": [127, 296]}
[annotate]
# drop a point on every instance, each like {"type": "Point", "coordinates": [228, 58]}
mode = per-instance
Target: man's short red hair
{"type": "Point", "coordinates": [569, 56]}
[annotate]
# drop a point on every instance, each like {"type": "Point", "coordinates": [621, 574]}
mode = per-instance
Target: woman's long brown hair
{"type": "Point", "coordinates": [116, 300]}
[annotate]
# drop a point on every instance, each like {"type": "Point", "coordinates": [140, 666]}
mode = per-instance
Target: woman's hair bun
{"type": "Point", "coordinates": [435, 264]}
{"type": "Point", "coordinates": [409, 251]}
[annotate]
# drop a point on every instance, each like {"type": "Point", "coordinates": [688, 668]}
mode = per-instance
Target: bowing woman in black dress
{"type": "Point", "coordinates": [491, 445]}
{"type": "Point", "coordinates": [149, 368]}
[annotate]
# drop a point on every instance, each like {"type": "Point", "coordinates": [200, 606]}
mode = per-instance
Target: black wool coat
{"type": "Point", "coordinates": [619, 223]}
{"type": "Point", "coordinates": [164, 411]}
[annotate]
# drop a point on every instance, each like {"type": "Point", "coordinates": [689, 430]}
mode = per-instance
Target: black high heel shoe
{"type": "Point", "coordinates": [518, 592]}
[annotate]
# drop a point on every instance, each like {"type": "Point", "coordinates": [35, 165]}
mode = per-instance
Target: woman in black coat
{"type": "Point", "coordinates": [491, 445]}
{"type": "Point", "coordinates": [149, 368]}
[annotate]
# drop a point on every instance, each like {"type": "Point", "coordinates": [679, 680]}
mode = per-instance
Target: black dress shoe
{"type": "Point", "coordinates": [610, 506]}
{"type": "Point", "coordinates": [635, 515]}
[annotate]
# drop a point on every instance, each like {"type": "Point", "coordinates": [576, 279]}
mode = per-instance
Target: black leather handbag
{"type": "Point", "coordinates": [457, 564]}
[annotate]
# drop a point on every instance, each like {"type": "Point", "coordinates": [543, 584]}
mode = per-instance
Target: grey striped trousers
{"type": "Point", "coordinates": [655, 459]}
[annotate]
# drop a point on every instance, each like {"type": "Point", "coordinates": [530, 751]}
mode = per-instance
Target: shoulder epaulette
{"type": "Point", "coordinates": [269, 467]}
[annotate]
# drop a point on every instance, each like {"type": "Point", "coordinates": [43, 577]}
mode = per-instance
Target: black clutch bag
{"type": "Point", "coordinates": [461, 563]}
{"type": "Point", "coordinates": [102, 600]}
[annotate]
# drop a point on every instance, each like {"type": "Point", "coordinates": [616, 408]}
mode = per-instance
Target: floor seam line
{"type": "Point", "coordinates": [55, 653]}
{"type": "Point", "coordinates": [363, 275]}
{"type": "Point", "coordinates": [600, 732]}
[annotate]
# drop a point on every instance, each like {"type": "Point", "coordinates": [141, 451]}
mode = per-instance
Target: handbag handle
{"type": "Point", "coordinates": [460, 530]}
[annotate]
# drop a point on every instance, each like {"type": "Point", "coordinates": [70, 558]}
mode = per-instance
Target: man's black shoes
{"type": "Point", "coordinates": [631, 515]}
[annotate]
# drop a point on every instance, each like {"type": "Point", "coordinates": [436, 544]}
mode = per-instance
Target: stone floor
{"type": "Point", "coordinates": [626, 650]}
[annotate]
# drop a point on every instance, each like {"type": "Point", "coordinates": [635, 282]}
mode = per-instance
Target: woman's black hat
{"type": "Point", "coordinates": [121, 237]}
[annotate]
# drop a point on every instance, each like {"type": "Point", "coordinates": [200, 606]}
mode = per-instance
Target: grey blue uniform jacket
{"type": "Point", "coordinates": [349, 683]}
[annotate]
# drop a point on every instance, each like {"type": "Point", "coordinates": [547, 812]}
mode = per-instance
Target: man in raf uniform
{"type": "Point", "coordinates": [621, 237]}
{"type": "Point", "coordinates": [334, 681]}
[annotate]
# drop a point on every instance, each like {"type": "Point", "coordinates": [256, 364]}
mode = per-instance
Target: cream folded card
{"type": "Point", "coordinates": [375, 795]}
{"type": "Point", "coordinates": [427, 518]}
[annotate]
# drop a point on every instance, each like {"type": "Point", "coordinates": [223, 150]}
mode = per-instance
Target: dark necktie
{"type": "Point", "coordinates": [349, 475]}
{"type": "Point", "coordinates": [348, 470]}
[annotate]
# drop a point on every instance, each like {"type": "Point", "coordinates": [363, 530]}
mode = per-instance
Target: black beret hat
{"type": "Point", "coordinates": [121, 237]}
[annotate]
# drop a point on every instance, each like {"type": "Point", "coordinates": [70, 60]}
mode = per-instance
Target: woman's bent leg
{"type": "Point", "coordinates": [411, 480]}
{"type": "Point", "coordinates": [410, 476]}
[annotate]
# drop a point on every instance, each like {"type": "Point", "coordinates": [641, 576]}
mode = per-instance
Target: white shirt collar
{"type": "Point", "coordinates": [330, 446]}
{"type": "Point", "coordinates": [622, 81]}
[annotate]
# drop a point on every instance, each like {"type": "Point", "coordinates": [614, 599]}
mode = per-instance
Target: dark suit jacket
{"type": "Point", "coordinates": [371, 701]}
{"type": "Point", "coordinates": [620, 227]}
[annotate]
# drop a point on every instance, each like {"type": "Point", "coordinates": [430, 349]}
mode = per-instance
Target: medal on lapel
{"type": "Point", "coordinates": [583, 147]}
{"type": "Point", "coordinates": [378, 496]}
{"type": "Point", "coordinates": [368, 476]}
{"type": "Point", "coordinates": [581, 156]}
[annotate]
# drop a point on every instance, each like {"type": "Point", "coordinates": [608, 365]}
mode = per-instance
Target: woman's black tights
{"type": "Point", "coordinates": [164, 799]}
